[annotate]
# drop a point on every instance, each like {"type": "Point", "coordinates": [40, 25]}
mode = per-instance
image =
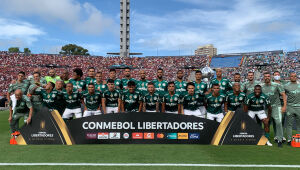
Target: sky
{"type": "Point", "coordinates": [158, 27]}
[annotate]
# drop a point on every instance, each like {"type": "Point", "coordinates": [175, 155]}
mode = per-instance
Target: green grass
{"type": "Point", "coordinates": [156, 153]}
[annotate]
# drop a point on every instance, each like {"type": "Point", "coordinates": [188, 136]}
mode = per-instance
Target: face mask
{"type": "Point", "coordinates": [276, 77]}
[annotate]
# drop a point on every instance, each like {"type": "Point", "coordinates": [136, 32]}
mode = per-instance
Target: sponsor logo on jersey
{"type": "Point", "coordinates": [91, 135]}
{"type": "Point", "coordinates": [194, 136]}
{"type": "Point", "coordinates": [103, 135]}
{"type": "Point", "coordinates": [137, 135]}
{"type": "Point", "coordinates": [149, 135]}
{"type": "Point", "coordinates": [183, 136]}
{"type": "Point", "coordinates": [172, 136]}
{"type": "Point", "coordinates": [114, 135]}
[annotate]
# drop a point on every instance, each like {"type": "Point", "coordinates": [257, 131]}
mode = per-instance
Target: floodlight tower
{"type": "Point", "coordinates": [124, 28]}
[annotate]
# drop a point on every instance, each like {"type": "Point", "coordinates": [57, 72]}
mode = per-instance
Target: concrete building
{"type": "Point", "coordinates": [208, 49]}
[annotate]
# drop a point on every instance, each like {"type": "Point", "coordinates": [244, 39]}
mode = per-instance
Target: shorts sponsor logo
{"type": "Point", "coordinates": [102, 135]}
{"type": "Point", "coordinates": [126, 135]}
{"type": "Point", "coordinates": [137, 135]}
{"type": "Point", "coordinates": [160, 136]}
{"type": "Point", "coordinates": [183, 136]}
{"type": "Point", "coordinates": [172, 136]}
{"type": "Point", "coordinates": [194, 136]}
{"type": "Point", "coordinates": [91, 136]}
{"type": "Point", "coordinates": [148, 135]}
{"type": "Point", "coordinates": [114, 135]}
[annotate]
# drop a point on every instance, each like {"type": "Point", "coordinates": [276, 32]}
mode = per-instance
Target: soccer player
{"type": "Point", "coordinates": [214, 102]}
{"type": "Point", "coordinates": [237, 79]}
{"type": "Point", "coordinates": [180, 85]}
{"type": "Point", "coordinates": [21, 83]}
{"type": "Point", "coordinates": [78, 84]}
{"type": "Point", "coordinates": [100, 85]}
{"type": "Point", "coordinates": [36, 100]}
{"type": "Point", "coordinates": [60, 102]}
{"type": "Point", "coordinates": [73, 101]}
{"type": "Point", "coordinates": [273, 91]}
{"type": "Point", "coordinates": [142, 84]}
{"type": "Point", "coordinates": [127, 78]}
{"type": "Point", "coordinates": [65, 76]}
{"type": "Point", "coordinates": [292, 90]}
{"type": "Point", "coordinates": [59, 85]}
{"type": "Point", "coordinates": [91, 101]}
{"type": "Point", "coordinates": [111, 98]}
{"type": "Point", "coordinates": [171, 100]}
{"type": "Point", "coordinates": [131, 99]}
{"type": "Point", "coordinates": [248, 86]}
{"type": "Point", "coordinates": [151, 99]}
{"type": "Point", "coordinates": [52, 77]}
{"type": "Point", "coordinates": [91, 76]}
{"type": "Point", "coordinates": [113, 76]}
{"type": "Point", "coordinates": [19, 108]}
{"type": "Point", "coordinates": [160, 84]}
{"type": "Point", "coordinates": [200, 86]}
{"type": "Point", "coordinates": [255, 104]}
{"type": "Point", "coordinates": [234, 99]}
{"type": "Point", "coordinates": [224, 83]}
{"type": "Point", "coordinates": [192, 102]}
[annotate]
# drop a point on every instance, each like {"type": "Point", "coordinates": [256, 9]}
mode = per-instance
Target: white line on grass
{"type": "Point", "coordinates": [150, 164]}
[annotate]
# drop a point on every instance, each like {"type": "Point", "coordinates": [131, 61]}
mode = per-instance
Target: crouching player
{"type": "Point", "coordinates": [91, 101]}
{"type": "Point", "coordinates": [151, 99]}
{"type": "Point", "coordinates": [111, 98]}
{"type": "Point", "coordinates": [73, 101]}
{"type": "Point", "coordinates": [214, 102]}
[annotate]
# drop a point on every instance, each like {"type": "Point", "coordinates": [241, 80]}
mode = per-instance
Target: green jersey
{"type": "Point", "coordinates": [89, 80]}
{"type": "Point", "coordinates": [160, 87]}
{"type": "Point", "coordinates": [200, 87]}
{"type": "Point", "coordinates": [21, 106]}
{"type": "Point", "coordinates": [111, 98]}
{"type": "Point", "coordinates": [131, 101]}
{"type": "Point", "coordinates": [125, 81]}
{"type": "Point", "coordinates": [171, 102]}
{"type": "Point", "coordinates": [92, 101]}
{"type": "Point", "coordinates": [292, 91]}
{"type": "Point", "coordinates": [142, 86]}
{"type": "Point", "coordinates": [78, 84]}
{"type": "Point", "coordinates": [117, 83]}
{"type": "Point", "coordinates": [23, 86]}
{"type": "Point", "coordinates": [248, 87]}
{"type": "Point", "coordinates": [150, 101]}
{"type": "Point", "coordinates": [180, 87]}
{"type": "Point", "coordinates": [273, 91]}
{"type": "Point", "coordinates": [35, 98]}
{"type": "Point", "coordinates": [214, 104]}
{"type": "Point", "coordinates": [73, 100]}
{"type": "Point", "coordinates": [224, 83]}
{"type": "Point", "coordinates": [193, 102]}
{"type": "Point", "coordinates": [101, 87]}
{"type": "Point", "coordinates": [257, 103]}
{"type": "Point", "coordinates": [235, 101]}
{"type": "Point", "coordinates": [50, 99]}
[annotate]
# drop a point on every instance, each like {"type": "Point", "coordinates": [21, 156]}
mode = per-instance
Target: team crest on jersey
{"type": "Point", "coordinates": [224, 83]}
{"type": "Point", "coordinates": [96, 97]}
{"type": "Point", "coordinates": [175, 98]}
{"type": "Point", "coordinates": [70, 97]}
{"type": "Point", "coordinates": [75, 96]}
{"type": "Point", "coordinates": [53, 95]}
{"type": "Point", "coordinates": [197, 96]}
{"type": "Point", "coordinates": [202, 86]}
{"type": "Point", "coordinates": [261, 101]}
{"type": "Point", "coordinates": [154, 98]}
{"type": "Point", "coordinates": [81, 83]}
{"type": "Point", "coordinates": [241, 98]}
{"type": "Point", "coordinates": [164, 84]}
{"type": "Point", "coordinates": [221, 100]}
{"type": "Point", "coordinates": [116, 94]}
{"type": "Point", "coordinates": [22, 104]}
{"type": "Point", "coordinates": [135, 96]}
{"type": "Point", "coordinates": [103, 86]}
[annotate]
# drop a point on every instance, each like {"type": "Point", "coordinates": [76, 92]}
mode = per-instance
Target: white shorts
{"type": "Point", "coordinates": [260, 114]}
{"type": "Point", "coordinates": [219, 117]}
{"type": "Point", "coordinates": [194, 113]}
{"type": "Point", "coordinates": [202, 110]}
{"type": "Point", "coordinates": [172, 112]}
{"type": "Point", "coordinates": [68, 113]}
{"type": "Point", "coordinates": [150, 110]}
{"type": "Point", "coordinates": [111, 110]}
{"type": "Point", "coordinates": [91, 113]}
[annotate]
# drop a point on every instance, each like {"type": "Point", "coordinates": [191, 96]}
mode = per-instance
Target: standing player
{"type": "Point", "coordinates": [151, 99]}
{"type": "Point", "coordinates": [36, 100]}
{"type": "Point", "coordinates": [91, 76]}
{"type": "Point", "coordinates": [180, 85]}
{"type": "Point", "coordinates": [19, 108]}
{"type": "Point", "coordinates": [248, 86]}
{"type": "Point", "coordinates": [292, 90]}
{"type": "Point", "coordinates": [171, 101]}
{"type": "Point", "coordinates": [78, 84]}
{"type": "Point", "coordinates": [65, 76]}
{"type": "Point", "coordinates": [224, 83]}
{"type": "Point", "coordinates": [52, 77]}
{"type": "Point", "coordinates": [160, 84]}
{"type": "Point", "coordinates": [273, 91]}
{"type": "Point", "coordinates": [21, 84]}
{"type": "Point", "coordinates": [234, 99]}
{"type": "Point", "coordinates": [127, 78]}
{"type": "Point", "coordinates": [200, 86]}
{"type": "Point", "coordinates": [142, 84]}
{"type": "Point", "coordinates": [255, 104]}
{"type": "Point", "coordinates": [131, 99]}
{"type": "Point", "coordinates": [113, 76]}
{"type": "Point", "coordinates": [192, 102]}
{"type": "Point", "coordinates": [73, 101]}
{"type": "Point", "coordinates": [91, 101]}
{"type": "Point", "coordinates": [214, 102]}
{"type": "Point", "coordinates": [100, 85]}
{"type": "Point", "coordinates": [111, 99]}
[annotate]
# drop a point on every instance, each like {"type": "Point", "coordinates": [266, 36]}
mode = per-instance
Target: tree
{"type": "Point", "coordinates": [73, 49]}
{"type": "Point", "coordinates": [27, 51]}
{"type": "Point", "coordinates": [14, 50]}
